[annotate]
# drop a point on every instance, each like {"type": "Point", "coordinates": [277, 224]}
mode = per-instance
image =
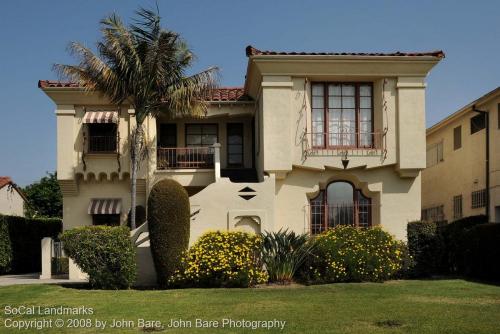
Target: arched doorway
{"type": "Point", "coordinates": [340, 203]}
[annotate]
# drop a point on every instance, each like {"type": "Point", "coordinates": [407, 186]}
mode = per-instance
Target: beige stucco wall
{"type": "Point", "coordinates": [11, 203]}
{"type": "Point", "coordinates": [462, 171]}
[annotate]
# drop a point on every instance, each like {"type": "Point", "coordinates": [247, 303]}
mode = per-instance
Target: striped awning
{"type": "Point", "coordinates": [101, 117]}
{"type": "Point", "coordinates": [105, 206]}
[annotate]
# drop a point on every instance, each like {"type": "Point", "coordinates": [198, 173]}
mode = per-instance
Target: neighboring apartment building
{"type": "Point", "coordinates": [268, 155]}
{"type": "Point", "coordinates": [454, 182]}
{"type": "Point", "coordinates": [12, 199]}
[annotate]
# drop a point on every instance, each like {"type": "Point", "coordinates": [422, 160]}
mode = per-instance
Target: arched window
{"type": "Point", "coordinates": [339, 204]}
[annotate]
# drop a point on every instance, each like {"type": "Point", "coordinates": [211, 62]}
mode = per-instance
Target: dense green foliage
{"type": "Point", "coordinates": [438, 247]}
{"type": "Point", "coordinates": [105, 253]}
{"type": "Point", "coordinates": [414, 306]}
{"type": "Point", "coordinates": [44, 197]}
{"type": "Point", "coordinates": [349, 254]}
{"type": "Point", "coordinates": [25, 238]}
{"type": "Point", "coordinates": [482, 251]}
{"type": "Point", "coordinates": [425, 246]}
{"type": "Point", "coordinates": [169, 225]}
{"type": "Point", "coordinates": [283, 253]}
{"type": "Point", "coordinates": [222, 259]}
{"type": "Point", "coordinates": [5, 247]}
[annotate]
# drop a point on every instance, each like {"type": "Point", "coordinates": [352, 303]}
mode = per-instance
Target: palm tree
{"type": "Point", "coordinates": [144, 65]}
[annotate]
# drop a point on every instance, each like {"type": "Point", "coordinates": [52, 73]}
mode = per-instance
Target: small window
{"type": "Point", "coordinates": [457, 137]}
{"type": "Point", "coordinates": [457, 207]}
{"type": "Point", "coordinates": [498, 115]}
{"type": "Point", "coordinates": [435, 213]}
{"type": "Point", "coordinates": [477, 123]}
{"type": "Point", "coordinates": [102, 138]}
{"type": "Point", "coordinates": [109, 220]}
{"type": "Point", "coordinates": [478, 199]}
{"type": "Point", "coordinates": [434, 154]}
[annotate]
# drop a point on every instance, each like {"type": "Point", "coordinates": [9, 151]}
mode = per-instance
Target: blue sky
{"type": "Point", "coordinates": [34, 35]}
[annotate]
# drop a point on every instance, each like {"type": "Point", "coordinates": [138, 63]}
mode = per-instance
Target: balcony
{"type": "Point", "coordinates": [338, 143]}
{"type": "Point", "coordinates": [185, 158]}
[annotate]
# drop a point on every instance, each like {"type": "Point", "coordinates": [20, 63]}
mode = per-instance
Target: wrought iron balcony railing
{"type": "Point", "coordinates": [185, 157]}
{"type": "Point", "coordinates": [102, 144]}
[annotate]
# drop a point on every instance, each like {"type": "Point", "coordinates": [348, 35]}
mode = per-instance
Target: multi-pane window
{"type": "Point", "coordinates": [435, 213]}
{"type": "Point", "coordinates": [457, 137]}
{"type": "Point", "coordinates": [457, 207]}
{"type": "Point", "coordinates": [477, 123]}
{"type": "Point", "coordinates": [342, 115]}
{"type": "Point", "coordinates": [201, 135]}
{"type": "Point", "coordinates": [102, 137]}
{"type": "Point", "coordinates": [339, 204]}
{"type": "Point", "coordinates": [478, 199]}
{"type": "Point", "coordinates": [235, 144]}
{"type": "Point", "coordinates": [434, 154]}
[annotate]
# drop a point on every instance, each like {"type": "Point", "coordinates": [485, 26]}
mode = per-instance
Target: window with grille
{"type": "Point", "coordinates": [434, 154]}
{"type": "Point", "coordinates": [479, 199]}
{"type": "Point", "coordinates": [457, 207]}
{"type": "Point", "coordinates": [435, 213]}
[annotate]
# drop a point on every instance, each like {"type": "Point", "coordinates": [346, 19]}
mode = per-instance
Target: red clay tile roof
{"type": "Point", "coordinates": [225, 94]}
{"type": "Point", "coordinates": [58, 84]}
{"type": "Point", "coordinates": [4, 180]}
{"type": "Point", "coordinates": [251, 51]}
{"type": "Point", "coordinates": [228, 94]}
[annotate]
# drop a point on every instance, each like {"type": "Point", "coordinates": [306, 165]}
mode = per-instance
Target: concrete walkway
{"type": "Point", "coordinates": [32, 278]}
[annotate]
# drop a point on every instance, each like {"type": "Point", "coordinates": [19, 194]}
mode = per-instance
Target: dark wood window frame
{"type": "Point", "coordinates": [357, 109]}
{"type": "Point", "coordinates": [356, 203]}
{"type": "Point", "coordinates": [200, 124]}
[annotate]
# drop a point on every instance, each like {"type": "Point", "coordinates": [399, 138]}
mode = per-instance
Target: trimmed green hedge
{"type": "Point", "coordinates": [168, 221]}
{"type": "Point", "coordinates": [5, 248]}
{"type": "Point", "coordinates": [105, 253]}
{"type": "Point", "coordinates": [482, 251]}
{"type": "Point", "coordinates": [25, 239]}
{"type": "Point", "coordinates": [438, 248]}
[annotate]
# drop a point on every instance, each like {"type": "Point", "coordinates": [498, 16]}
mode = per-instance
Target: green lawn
{"type": "Point", "coordinates": [441, 306]}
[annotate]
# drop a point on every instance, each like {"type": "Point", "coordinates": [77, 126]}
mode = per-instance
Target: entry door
{"type": "Point", "coordinates": [235, 144]}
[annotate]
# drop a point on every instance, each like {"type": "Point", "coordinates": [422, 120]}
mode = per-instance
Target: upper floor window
{"type": "Point", "coordinates": [201, 134]}
{"type": "Point", "coordinates": [339, 204]}
{"type": "Point", "coordinates": [434, 154]}
{"type": "Point", "coordinates": [102, 137]}
{"type": "Point", "coordinates": [477, 123]}
{"type": "Point", "coordinates": [457, 137]}
{"type": "Point", "coordinates": [342, 115]}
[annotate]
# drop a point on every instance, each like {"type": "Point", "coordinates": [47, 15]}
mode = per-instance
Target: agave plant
{"type": "Point", "coordinates": [283, 253]}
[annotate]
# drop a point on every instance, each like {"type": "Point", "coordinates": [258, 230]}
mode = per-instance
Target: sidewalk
{"type": "Point", "coordinates": [32, 278]}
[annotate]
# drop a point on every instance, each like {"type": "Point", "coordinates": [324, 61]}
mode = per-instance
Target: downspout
{"type": "Point", "coordinates": [487, 121]}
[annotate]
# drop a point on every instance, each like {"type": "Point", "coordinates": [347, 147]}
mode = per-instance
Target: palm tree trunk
{"type": "Point", "coordinates": [137, 137]}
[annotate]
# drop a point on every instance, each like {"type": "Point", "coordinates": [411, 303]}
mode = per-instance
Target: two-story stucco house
{"type": "Point", "coordinates": [457, 164]}
{"type": "Point", "coordinates": [311, 140]}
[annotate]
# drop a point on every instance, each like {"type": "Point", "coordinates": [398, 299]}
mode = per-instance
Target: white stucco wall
{"type": "Point", "coordinates": [11, 203]}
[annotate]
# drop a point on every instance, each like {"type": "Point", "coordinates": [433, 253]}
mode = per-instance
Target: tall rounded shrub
{"type": "Point", "coordinates": [168, 220]}
{"type": "Point", "coordinates": [105, 253]}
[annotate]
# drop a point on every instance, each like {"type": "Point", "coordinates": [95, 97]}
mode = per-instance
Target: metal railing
{"type": "Point", "coordinates": [185, 157]}
{"type": "Point", "coordinates": [326, 216]}
{"type": "Point", "coordinates": [345, 140]}
{"type": "Point", "coordinates": [102, 144]}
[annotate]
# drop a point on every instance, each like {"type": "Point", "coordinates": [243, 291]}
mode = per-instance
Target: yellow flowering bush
{"type": "Point", "coordinates": [350, 254]}
{"type": "Point", "coordinates": [222, 259]}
